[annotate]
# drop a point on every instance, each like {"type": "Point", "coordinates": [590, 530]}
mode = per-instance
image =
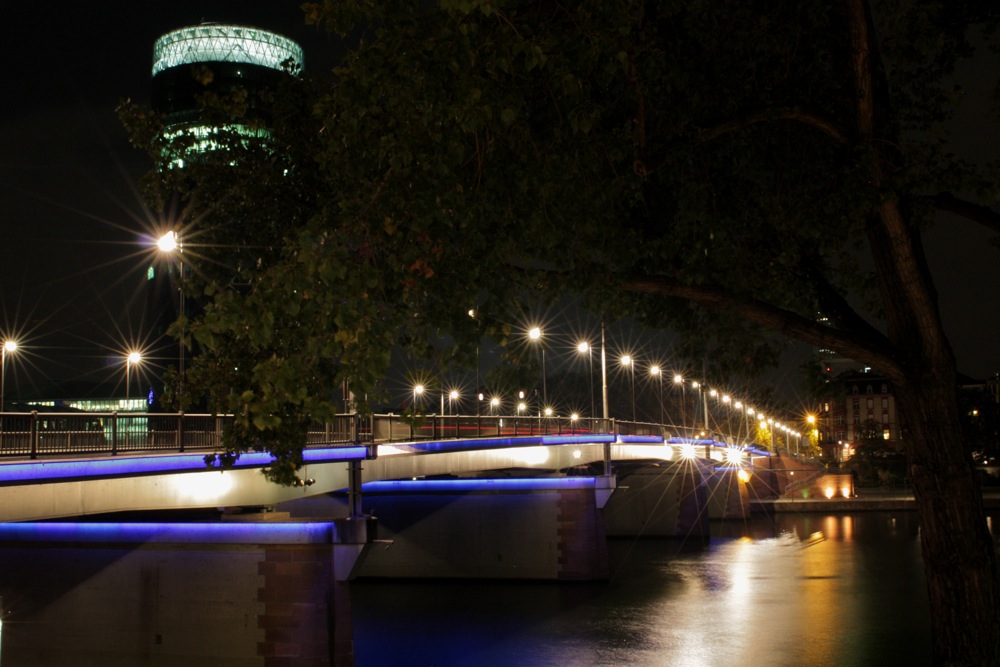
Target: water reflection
{"type": "Point", "coordinates": [811, 589]}
{"type": "Point", "coordinates": [791, 590]}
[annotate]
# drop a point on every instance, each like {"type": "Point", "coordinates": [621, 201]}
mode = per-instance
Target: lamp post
{"type": "Point", "coordinates": [729, 415]}
{"type": "Point", "coordinates": [131, 359]}
{"type": "Point", "coordinates": [679, 381]}
{"type": "Point", "coordinates": [604, 378]}
{"type": "Point", "coordinates": [536, 334]}
{"type": "Point", "coordinates": [655, 372]}
{"type": "Point", "coordinates": [418, 390]}
{"type": "Point", "coordinates": [585, 348]}
{"type": "Point", "coordinates": [628, 361]}
{"type": "Point", "coordinates": [9, 347]}
{"type": "Point", "coordinates": [170, 243]}
{"type": "Point", "coordinates": [703, 399]}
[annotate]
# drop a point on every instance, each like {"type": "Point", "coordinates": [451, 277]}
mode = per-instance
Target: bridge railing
{"type": "Point", "coordinates": [395, 428]}
{"type": "Point", "coordinates": [41, 434]}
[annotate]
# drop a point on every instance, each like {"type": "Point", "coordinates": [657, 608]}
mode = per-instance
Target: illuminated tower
{"type": "Point", "coordinates": [219, 59]}
{"type": "Point", "coordinates": [191, 65]}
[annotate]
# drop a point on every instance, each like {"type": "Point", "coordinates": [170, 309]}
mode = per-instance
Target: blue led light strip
{"type": "Point", "coordinates": [54, 471]}
{"type": "Point", "coordinates": [176, 533]}
{"type": "Point", "coordinates": [472, 444]}
{"type": "Point", "coordinates": [467, 485]}
{"type": "Point", "coordinates": [641, 439]}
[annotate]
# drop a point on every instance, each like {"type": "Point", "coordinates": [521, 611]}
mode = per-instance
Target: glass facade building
{"type": "Point", "coordinates": [220, 59]}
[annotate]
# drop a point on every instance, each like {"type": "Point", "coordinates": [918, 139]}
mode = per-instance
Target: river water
{"type": "Point", "coordinates": [790, 589]}
{"type": "Point", "coordinates": [806, 589]}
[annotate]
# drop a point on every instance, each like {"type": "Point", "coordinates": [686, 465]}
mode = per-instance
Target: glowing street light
{"type": "Point", "coordinates": [628, 361]}
{"type": "Point", "coordinates": [133, 358]}
{"type": "Point", "coordinates": [452, 397]}
{"type": "Point", "coordinates": [418, 391]}
{"type": "Point", "coordinates": [169, 244]}
{"type": "Point", "coordinates": [703, 399]}
{"type": "Point", "coordinates": [584, 348]}
{"type": "Point", "coordinates": [9, 347]}
{"type": "Point", "coordinates": [679, 381]}
{"type": "Point", "coordinates": [536, 334]}
{"type": "Point", "coordinates": [655, 372]}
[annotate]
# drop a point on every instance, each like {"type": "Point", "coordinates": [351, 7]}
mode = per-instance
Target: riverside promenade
{"type": "Point", "coordinates": [867, 499]}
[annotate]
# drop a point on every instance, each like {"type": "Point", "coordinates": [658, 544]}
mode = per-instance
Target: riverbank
{"type": "Point", "coordinates": [866, 500]}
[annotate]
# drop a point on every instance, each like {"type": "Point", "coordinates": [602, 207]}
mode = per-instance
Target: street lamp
{"type": "Point", "coordinates": [585, 348]}
{"type": "Point", "coordinates": [168, 244]}
{"type": "Point", "coordinates": [655, 372]}
{"type": "Point", "coordinates": [679, 380]}
{"type": "Point", "coordinates": [703, 399]}
{"type": "Point", "coordinates": [452, 397]}
{"type": "Point", "coordinates": [536, 334]}
{"type": "Point", "coordinates": [131, 359]}
{"type": "Point", "coordinates": [627, 361]}
{"type": "Point", "coordinates": [418, 390]}
{"type": "Point", "coordinates": [9, 347]}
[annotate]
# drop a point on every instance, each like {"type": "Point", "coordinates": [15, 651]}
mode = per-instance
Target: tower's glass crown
{"type": "Point", "coordinates": [214, 42]}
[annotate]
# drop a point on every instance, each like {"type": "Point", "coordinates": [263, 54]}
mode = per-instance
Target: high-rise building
{"type": "Point", "coordinates": [192, 65]}
{"type": "Point", "coordinates": [217, 58]}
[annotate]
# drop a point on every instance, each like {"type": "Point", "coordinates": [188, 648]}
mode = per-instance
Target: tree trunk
{"type": "Point", "coordinates": [959, 557]}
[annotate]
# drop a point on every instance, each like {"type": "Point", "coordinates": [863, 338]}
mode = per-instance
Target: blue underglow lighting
{"type": "Point", "coordinates": [691, 441]}
{"type": "Point", "coordinates": [467, 485]}
{"type": "Point", "coordinates": [588, 439]}
{"type": "Point", "coordinates": [444, 446]}
{"type": "Point", "coordinates": [187, 533]}
{"type": "Point", "coordinates": [641, 439]}
{"type": "Point", "coordinates": [41, 471]}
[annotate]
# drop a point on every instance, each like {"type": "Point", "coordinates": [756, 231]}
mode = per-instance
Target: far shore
{"type": "Point", "coordinates": [865, 500]}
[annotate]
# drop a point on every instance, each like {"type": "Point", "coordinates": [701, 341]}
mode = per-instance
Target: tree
{"type": "Point", "coordinates": [724, 168]}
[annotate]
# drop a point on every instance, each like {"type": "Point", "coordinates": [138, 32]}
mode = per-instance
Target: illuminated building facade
{"type": "Point", "coordinates": [221, 59]}
{"type": "Point", "coordinates": [860, 410]}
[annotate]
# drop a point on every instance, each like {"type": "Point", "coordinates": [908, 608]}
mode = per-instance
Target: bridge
{"type": "Point", "coordinates": [521, 498]}
{"type": "Point", "coordinates": [515, 496]}
{"type": "Point", "coordinates": [72, 464]}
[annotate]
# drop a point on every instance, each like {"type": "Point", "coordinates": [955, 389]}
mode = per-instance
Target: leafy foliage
{"type": "Point", "coordinates": [721, 168]}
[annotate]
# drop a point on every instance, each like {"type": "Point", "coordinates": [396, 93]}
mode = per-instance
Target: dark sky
{"type": "Point", "coordinates": [72, 271]}
{"type": "Point", "coordinates": [71, 268]}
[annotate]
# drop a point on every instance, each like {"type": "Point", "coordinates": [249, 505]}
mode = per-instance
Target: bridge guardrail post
{"type": "Point", "coordinates": [180, 431]}
{"type": "Point", "coordinates": [114, 433]}
{"type": "Point", "coordinates": [34, 434]}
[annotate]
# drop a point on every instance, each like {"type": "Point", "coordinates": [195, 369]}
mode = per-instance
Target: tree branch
{"type": "Point", "coordinates": [869, 347]}
{"type": "Point", "coordinates": [984, 215]}
{"type": "Point", "coordinates": [816, 121]}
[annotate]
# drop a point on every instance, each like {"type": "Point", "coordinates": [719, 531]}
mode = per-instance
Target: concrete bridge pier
{"type": "Point", "coordinates": [537, 528]}
{"type": "Point", "coordinates": [663, 499]}
{"type": "Point", "coordinates": [305, 596]}
{"type": "Point", "coordinates": [728, 495]}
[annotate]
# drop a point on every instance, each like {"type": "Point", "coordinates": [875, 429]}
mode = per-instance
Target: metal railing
{"type": "Point", "coordinates": [50, 434]}
{"type": "Point", "coordinates": [41, 434]}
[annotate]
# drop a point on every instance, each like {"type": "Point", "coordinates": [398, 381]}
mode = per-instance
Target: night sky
{"type": "Point", "coordinates": [73, 269]}
{"type": "Point", "coordinates": [71, 263]}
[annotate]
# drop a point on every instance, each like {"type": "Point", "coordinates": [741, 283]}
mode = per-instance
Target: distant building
{"type": "Point", "coordinates": [190, 65]}
{"type": "Point", "coordinates": [859, 410]}
{"type": "Point", "coordinates": [214, 58]}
